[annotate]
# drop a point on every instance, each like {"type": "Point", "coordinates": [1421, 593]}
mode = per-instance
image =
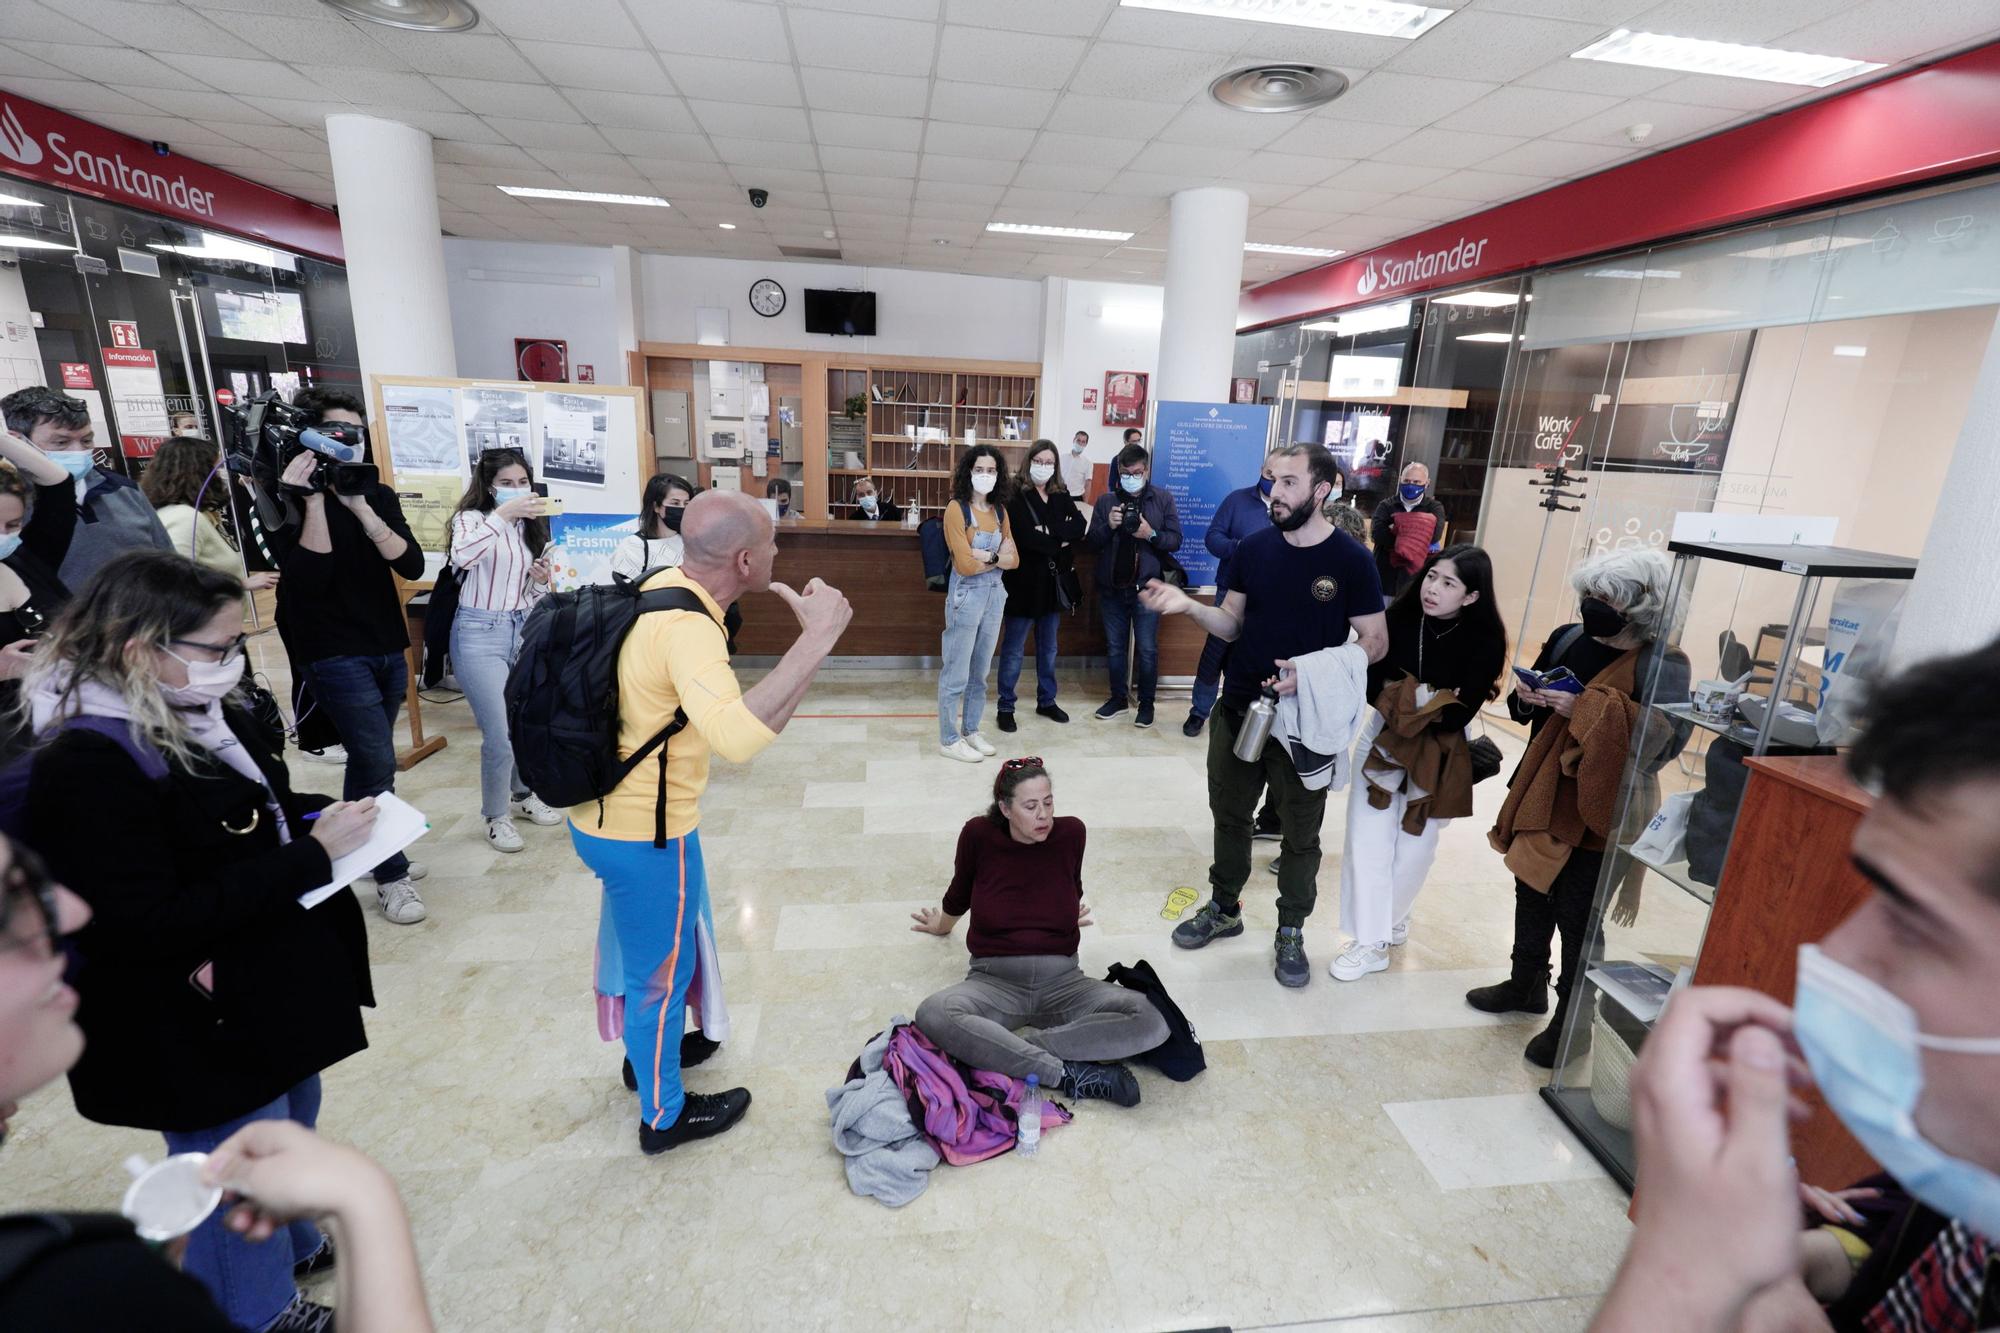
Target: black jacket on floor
{"type": "Point", "coordinates": [207, 991]}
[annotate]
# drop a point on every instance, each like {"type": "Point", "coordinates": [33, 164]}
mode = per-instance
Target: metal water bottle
{"type": "Point", "coordinates": [1257, 722]}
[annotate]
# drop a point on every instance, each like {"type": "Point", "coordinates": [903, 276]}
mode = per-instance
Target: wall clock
{"type": "Point", "coordinates": [767, 298]}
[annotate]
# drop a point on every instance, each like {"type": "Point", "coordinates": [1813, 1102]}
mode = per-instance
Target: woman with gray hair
{"type": "Point", "coordinates": [1557, 820]}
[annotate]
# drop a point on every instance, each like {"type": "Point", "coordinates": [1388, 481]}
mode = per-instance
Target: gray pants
{"type": "Point", "coordinates": [1078, 1017]}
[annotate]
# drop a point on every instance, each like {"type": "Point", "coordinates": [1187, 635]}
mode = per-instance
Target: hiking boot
{"type": "Point", "coordinates": [1292, 968]}
{"type": "Point", "coordinates": [703, 1116]}
{"type": "Point", "coordinates": [302, 1316]}
{"type": "Point", "coordinates": [1087, 1080]}
{"type": "Point", "coordinates": [1052, 713]}
{"type": "Point", "coordinates": [1109, 709]}
{"type": "Point", "coordinates": [1144, 718]}
{"type": "Point", "coordinates": [1210, 923]}
{"type": "Point", "coordinates": [400, 903]}
{"type": "Point", "coordinates": [1192, 727]}
{"type": "Point", "coordinates": [1005, 721]}
{"type": "Point", "coordinates": [1512, 996]}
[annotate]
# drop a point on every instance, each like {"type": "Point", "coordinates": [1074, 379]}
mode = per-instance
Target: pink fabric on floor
{"type": "Point", "coordinates": [967, 1118]}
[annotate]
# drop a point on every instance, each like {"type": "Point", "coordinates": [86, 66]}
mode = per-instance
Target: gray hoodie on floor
{"type": "Point", "coordinates": [886, 1156]}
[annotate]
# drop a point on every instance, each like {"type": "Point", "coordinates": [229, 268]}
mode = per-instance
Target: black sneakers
{"type": "Point", "coordinates": [703, 1116]}
{"type": "Point", "coordinates": [695, 1048]}
{"type": "Point", "coordinates": [1086, 1081]}
{"type": "Point", "coordinates": [1192, 727]}
{"type": "Point", "coordinates": [1145, 716]}
{"type": "Point", "coordinates": [1005, 721]}
{"type": "Point", "coordinates": [1210, 923]}
{"type": "Point", "coordinates": [302, 1316]}
{"type": "Point", "coordinates": [319, 1261]}
{"type": "Point", "coordinates": [1292, 968]}
{"type": "Point", "coordinates": [1268, 827]}
{"type": "Point", "coordinates": [1052, 713]}
{"type": "Point", "coordinates": [1109, 709]}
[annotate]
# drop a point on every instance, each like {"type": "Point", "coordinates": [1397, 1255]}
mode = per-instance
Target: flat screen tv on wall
{"type": "Point", "coordinates": [844, 314]}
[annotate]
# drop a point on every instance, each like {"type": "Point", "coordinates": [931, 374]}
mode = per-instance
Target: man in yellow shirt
{"type": "Point", "coordinates": [656, 895]}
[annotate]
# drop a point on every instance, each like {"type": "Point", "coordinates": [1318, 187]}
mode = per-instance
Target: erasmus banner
{"type": "Point", "coordinates": [1202, 452]}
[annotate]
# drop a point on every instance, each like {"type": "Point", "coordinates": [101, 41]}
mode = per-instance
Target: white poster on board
{"type": "Point", "coordinates": [497, 419]}
{"type": "Point", "coordinates": [137, 397]}
{"type": "Point", "coordinates": [573, 438]}
{"type": "Point", "coordinates": [422, 424]}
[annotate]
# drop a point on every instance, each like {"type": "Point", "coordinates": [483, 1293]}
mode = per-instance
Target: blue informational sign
{"type": "Point", "coordinates": [583, 545]}
{"type": "Point", "coordinates": [1202, 452]}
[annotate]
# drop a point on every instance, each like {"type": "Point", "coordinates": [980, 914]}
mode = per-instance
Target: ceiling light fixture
{"type": "Point", "coordinates": [1277, 88]}
{"type": "Point", "coordinates": [1484, 300]}
{"type": "Point", "coordinates": [1850, 349]}
{"type": "Point", "coordinates": [1259, 248]}
{"type": "Point", "coordinates": [411, 15]}
{"type": "Point", "coordinates": [1066, 233]}
{"type": "Point", "coordinates": [583, 196]}
{"type": "Point", "coordinates": [219, 248]}
{"type": "Point", "coordinates": [1376, 18]}
{"type": "Point", "coordinates": [1486, 337]}
{"type": "Point", "coordinates": [1693, 55]}
{"type": "Point", "coordinates": [727, 226]}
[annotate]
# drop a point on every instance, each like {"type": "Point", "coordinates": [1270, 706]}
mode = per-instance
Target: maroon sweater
{"type": "Point", "coordinates": [1023, 896]}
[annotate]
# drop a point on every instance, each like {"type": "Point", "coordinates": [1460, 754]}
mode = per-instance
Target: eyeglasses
{"type": "Point", "coordinates": [27, 880]}
{"type": "Point", "coordinates": [223, 651]}
{"type": "Point", "coordinates": [1028, 761]}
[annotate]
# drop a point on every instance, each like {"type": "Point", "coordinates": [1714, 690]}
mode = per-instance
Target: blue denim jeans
{"type": "Point", "coordinates": [1208, 676]}
{"type": "Point", "coordinates": [252, 1283]}
{"type": "Point", "coordinates": [484, 645]}
{"type": "Point", "coordinates": [364, 695]}
{"type": "Point", "coordinates": [1123, 616]}
{"type": "Point", "coordinates": [1013, 639]}
{"type": "Point", "coordinates": [973, 611]}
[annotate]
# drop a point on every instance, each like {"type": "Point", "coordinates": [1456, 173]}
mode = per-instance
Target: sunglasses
{"type": "Point", "coordinates": [1028, 761]}
{"type": "Point", "coordinates": [27, 880]}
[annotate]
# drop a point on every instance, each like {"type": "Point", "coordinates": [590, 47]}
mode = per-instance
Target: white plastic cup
{"type": "Point", "coordinates": [168, 1199]}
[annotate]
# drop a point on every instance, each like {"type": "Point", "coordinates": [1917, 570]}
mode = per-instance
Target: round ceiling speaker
{"type": "Point", "coordinates": [1278, 87]}
{"type": "Point", "coordinates": [413, 15]}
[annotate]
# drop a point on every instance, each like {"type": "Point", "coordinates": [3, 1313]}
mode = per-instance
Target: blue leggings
{"type": "Point", "coordinates": [656, 896]}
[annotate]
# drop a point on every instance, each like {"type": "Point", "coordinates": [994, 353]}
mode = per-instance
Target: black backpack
{"type": "Point", "coordinates": [26, 1238]}
{"type": "Point", "coordinates": [562, 694]}
{"type": "Point", "coordinates": [1179, 1057]}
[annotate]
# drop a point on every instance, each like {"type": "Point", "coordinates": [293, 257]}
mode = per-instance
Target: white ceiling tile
{"type": "Point", "coordinates": [714, 28]}
{"type": "Point", "coordinates": [1736, 94]}
{"type": "Point", "coordinates": [1091, 176]}
{"type": "Point", "coordinates": [1016, 59]}
{"type": "Point", "coordinates": [959, 192]}
{"type": "Point", "coordinates": [547, 133]}
{"type": "Point", "coordinates": [1325, 201]}
{"type": "Point", "coordinates": [1154, 184]}
{"type": "Point", "coordinates": [1148, 73]}
{"type": "Point", "coordinates": [1286, 169]}
{"type": "Point", "coordinates": [675, 169]}
{"type": "Point", "coordinates": [865, 94]}
{"type": "Point", "coordinates": [1054, 148]}
{"type": "Point", "coordinates": [1221, 127]}
{"type": "Point", "coordinates": [955, 140]}
{"type": "Point", "coordinates": [146, 27]}
{"type": "Point", "coordinates": [1496, 47]}
{"type": "Point", "coordinates": [568, 162]}
{"type": "Point", "coordinates": [1391, 176]}
{"type": "Point", "coordinates": [596, 22]}
{"type": "Point", "coordinates": [983, 104]}
{"type": "Point", "coordinates": [1893, 30]}
{"type": "Point", "coordinates": [291, 182]}
{"type": "Point", "coordinates": [1483, 186]}
{"type": "Point", "coordinates": [967, 170]}
{"type": "Point", "coordinates": [1448, 148]}
{"type": "Point", "coordinates": [790, 189]}
{"type": "Point", "coordinates": [877, 200]}
{"type": "Point", "coordinates": [1290, 220]}
{"type": "Point", "coordinates": [325, 37]}
{"type": "Point", "coordinates": [1547, 157]}
{"type": "Point", "coordinates": [1349, 52]}
{"type": "Point", "coordinates": [518, 101]}
{"type": "Point", "coordinates": [798, 155]}
{"type": "Point", "coordinates": [104, 64]}
{"type": "Point", "coordinates": [1188, 158]}
{"type": "Point", "coordinates": [714, 79]}
{"type": "Point", "coordinates": [1265, 193]}
{"type": "Point", "coordinates": [1067, 201]}
{"type": "Point", "coordinates": [481, 154]}
{"type": "Point", "coordinates": [1321, 136]}
{"type": "Point", "coordinates": [213, 106]}
{"type": "Point", "coordinates": [878, 45]}
{"type": "Point", "coordinates": [846, 130]}
{"type": "Point", "coordinates": [78, 95]}
{"type": "Point", "coordinates": [657, 143]}
{"type": "Point", "coordinates": [1186, 32]}
{"type": "Point", "coordinates": [242, 77]}
{"type": "Point", "coordinates": [1671, 122]}
{"type": "Point", "coordinates": [306, 113]}
{"type": "Point", "coordinates": [235, 156]}
{"type": "Point", "coordinates": [1069, 18]}
{"type": "Point", "coordinates": [1596, 76]}
{"type": "Point", "coordinates": [636, 111]}
{"type": "Point", "coordinates": [716, 194]}
{"type": "Point", "coordinates": [1121, 117]}
{"type": "Point", "coordinates": [753, 122]}
{"type": "Point", "coordinates": [570, 66]}
{"type": "Point", "coordinates": [1605, 13]}
{"type": "Point", "coordinates": [1730, 20]}
{"type": "Point", "coordinates": [1395, 98]}
{"type": "Point", "coordinates": [468, 55]}
{"type": "Point", "coordinates": [952, 209]}
{"type": "Point", "coordinates": [269, 137]}
{"type": "Point", "coordinates": [1528, 112]}
{"type": "Point", "coordinates": [867, 161]}
{"type": "Point", "coordinates": [15, 61]}
{"type": "Point", "coordinates": [184, 136]}
{"type": "Point", "coordinates": [32, 21]}
{"type": "Point", "coordinates": [378, 87]}
{"type": "Point", "coordinates": [1418, 208]}
{"type": "Point", "coordinates": [442, 124]}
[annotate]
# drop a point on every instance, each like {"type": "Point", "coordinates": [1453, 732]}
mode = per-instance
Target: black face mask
{"type": "Point", "coordinates": [1601, 620]}
{"type": "Point", "coordinates": [671, 516]}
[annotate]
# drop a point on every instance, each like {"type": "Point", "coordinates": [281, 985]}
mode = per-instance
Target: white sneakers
{"type": "Point", "coordinates": [962, 750]}
{"type": "Point", "coordinates": [1399, 933]}
{"type": "Point", "coordinates": [332, 754]}
{"type": "Point", "coordinates": [980, 743]}
{"type": "Point", "coordinates": [502, 836]}
{"type": "Point", "coordinates": [535, 811]}
{"type": "Point", "coordinates": [400, 902]}
{"type": "Point", "coordinates": [1357, 960]}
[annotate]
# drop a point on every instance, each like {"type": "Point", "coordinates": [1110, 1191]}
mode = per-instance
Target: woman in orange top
{"type": "Point", "coordinates": [982, 545]}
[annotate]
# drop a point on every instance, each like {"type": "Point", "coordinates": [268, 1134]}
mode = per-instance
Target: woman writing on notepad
{"type": "Point", "coordinates": [210, 997]}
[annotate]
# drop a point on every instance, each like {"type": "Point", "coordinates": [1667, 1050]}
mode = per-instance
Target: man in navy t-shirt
{"type": "Point", "coordinates": [1293, 589]}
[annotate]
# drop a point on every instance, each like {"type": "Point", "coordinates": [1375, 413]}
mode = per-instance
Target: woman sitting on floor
{"type": "Point", "coordinates": [1019, 871]}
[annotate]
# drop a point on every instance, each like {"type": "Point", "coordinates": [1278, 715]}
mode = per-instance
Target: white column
{"type": "Point", "coordinates": [385, 184]}
{"type": "Point", "coordinates": [1954, 602]}
{"type": "Point", "coordinates": [629, 299]}
{"type": "Point", "coordinates": [1205, 235]}
{"type": "Point", "coordinates": [1055, 392]}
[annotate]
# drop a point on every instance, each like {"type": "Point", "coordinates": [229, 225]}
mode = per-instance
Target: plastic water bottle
{"type": "Point", "coordinates": [1031, 1117]}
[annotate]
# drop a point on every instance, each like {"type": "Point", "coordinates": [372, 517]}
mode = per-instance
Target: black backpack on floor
{"type": "Point", "coordinates": [1179, 1057]}
{"type": "Point", "coordinates": [562, 693]}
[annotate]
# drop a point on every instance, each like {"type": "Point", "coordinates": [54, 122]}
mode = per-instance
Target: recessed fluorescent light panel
{"type": "Point", "coordinates": [30, 243]}
{"type": "Point", "coordinates": [584, 196]}
{"type": "Point", "coordinates": [1258, 248]}
{"type": "Point", "coordinates": [1377, 18]}
{"type": "Point", "coordinates": [1850, 349]}
{"type": "Point", "coordinates": [1486, 337]}
{"type": "Point", "coordinates": [1375, 319]}
{"type": "Point", "coordinates": [1692, 55]}
{"type": "Point", "coordinates": [1484, 300]}
{"type": "Point", "coordinates": [16, 201]}
{"type": "Point", "coordinates": [1068, 233]}
{"type": "Point", "coordinates": [727, 226]}
{"type": "Point", "coordinates": [217, 247]}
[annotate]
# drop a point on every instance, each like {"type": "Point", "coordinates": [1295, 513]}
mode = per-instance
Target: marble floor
{"type": "Point", "coordinates": [1368, 1156]}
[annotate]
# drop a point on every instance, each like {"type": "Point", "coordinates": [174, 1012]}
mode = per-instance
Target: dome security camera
{"type": "Point", "coordinates": [758, 198]}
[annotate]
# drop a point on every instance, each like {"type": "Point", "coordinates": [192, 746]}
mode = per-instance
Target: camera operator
{"type": "Point", "coordinates": [342, 620]}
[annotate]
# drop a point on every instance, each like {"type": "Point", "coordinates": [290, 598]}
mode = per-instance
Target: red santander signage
{"type": "Point", "coordinates": [41, 144]}
{"type": "Point", "coordinates": [1930, 124]}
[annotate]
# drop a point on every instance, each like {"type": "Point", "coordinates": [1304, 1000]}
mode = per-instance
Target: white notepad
{"type": "Point", "coordinates": [397, 825]}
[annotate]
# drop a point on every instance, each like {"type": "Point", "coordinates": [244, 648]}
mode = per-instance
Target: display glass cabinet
{"type": "Point", "coordinates": [1759, 636]}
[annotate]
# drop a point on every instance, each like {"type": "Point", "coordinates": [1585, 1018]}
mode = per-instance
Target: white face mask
{"type": "Point", "coordinates": [507, 494]}
{"type": "Point", "coordinates": [984, 482]}
{"type": "Point", "coordinates": [207, 681]}
{"type": "Point", "coordinates": [1040, 473]}
{"type": "Point", "coordinates": [77, 462]}
{"type": "Point", "coordinates": [868, 502]}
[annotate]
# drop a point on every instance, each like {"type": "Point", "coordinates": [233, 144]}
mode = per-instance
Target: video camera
{"type": "Point", "coordinates": [262, 435]}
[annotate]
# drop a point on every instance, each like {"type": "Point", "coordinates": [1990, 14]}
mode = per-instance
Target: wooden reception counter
{"type": "Point", "coordinates": [880, 567]}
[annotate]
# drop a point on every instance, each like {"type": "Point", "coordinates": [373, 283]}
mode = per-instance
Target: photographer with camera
{"type": "Point", "coordinates": [1131, 528]}
{"type": "Point", "coordinates": [339, 612]}
{"type": "Point", "coordinates": [112, 517]}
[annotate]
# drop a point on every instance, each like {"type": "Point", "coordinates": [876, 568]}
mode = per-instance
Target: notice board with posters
{"type": "Point", "coordinates": [588, 443]}
{"type": "Point", "coordinates": [1202, 452]}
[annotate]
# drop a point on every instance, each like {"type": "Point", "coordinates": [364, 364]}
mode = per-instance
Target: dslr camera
{"type": "Point", "coordinates": [262, 435]}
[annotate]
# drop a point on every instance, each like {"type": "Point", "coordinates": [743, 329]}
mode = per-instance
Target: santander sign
{"type": "Point", "coordinates": [1386, 273]}
{"type": "Point", "coordinates": [109, 170]}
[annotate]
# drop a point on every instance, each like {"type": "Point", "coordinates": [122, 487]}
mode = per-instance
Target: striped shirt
{"type": "Point", "coordinates": [491, 556]}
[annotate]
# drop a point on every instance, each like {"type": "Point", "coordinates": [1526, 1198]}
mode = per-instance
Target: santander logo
{"type": "Point", "coordinates": [1422, 266]}
{"type": "Point", "coordinates": [15, 145]}
{"type": "Point", "coordinates": [1369, 279]}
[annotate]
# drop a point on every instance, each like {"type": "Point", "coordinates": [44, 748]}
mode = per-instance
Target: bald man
{"type": "Point", "coordinates": [1412, 504]}
{"type": "Point", "coordinates": [674, 666]}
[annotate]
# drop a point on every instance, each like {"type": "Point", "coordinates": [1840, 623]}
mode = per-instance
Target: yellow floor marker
{"type": "Point", "coordinates": [1178, 901]}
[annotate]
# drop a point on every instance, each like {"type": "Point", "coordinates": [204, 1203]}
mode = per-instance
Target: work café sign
{"type": "Point", "coordinates": [51, 147]}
